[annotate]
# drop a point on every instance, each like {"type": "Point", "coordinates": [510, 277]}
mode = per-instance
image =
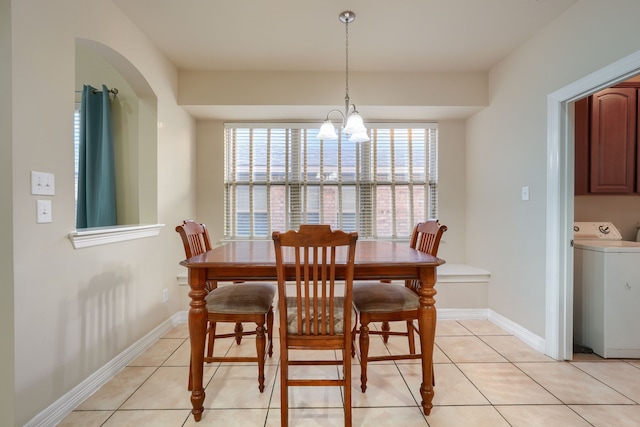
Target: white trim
{"type": "Point", "coordinates": [533, 340]}
{"type": "Point", "coordinates": [62, 407]}
{"type": "Point", "coordinates": [528, 337]}
{"type": "Point", "coordinates": [89, 237]}
{"type": "Point", "coordinates": [560, 158]}
{"type": "Point", "coordinates": [462, 313]}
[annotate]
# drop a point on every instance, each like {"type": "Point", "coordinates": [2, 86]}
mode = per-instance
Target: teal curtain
{"type": "Point", "coordinates": [96, 165]}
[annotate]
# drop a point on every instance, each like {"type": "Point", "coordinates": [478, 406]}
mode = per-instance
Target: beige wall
{"type": "Point", "coordinates": [75, 310]}
{"type": "Point", "coordinates": [7, 359]}
{"type": "Point", "coordinates": [507, 143]}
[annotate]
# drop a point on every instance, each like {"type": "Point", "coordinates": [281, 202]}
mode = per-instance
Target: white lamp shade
{"type": "Point", "coordinates": [354, 124]}
{"type": "Point", "coordinates": [327, 131]}
{"type": "Point", "coordinates": [359, 137]}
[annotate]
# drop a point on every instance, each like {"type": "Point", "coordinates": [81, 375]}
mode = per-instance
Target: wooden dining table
{"type": "Point", "coordinates": [255, 261]}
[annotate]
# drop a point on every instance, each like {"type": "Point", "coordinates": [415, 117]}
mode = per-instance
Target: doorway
{"type": "Point", "coordinates": [560, 205]}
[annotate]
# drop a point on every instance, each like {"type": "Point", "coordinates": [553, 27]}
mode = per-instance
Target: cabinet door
{"type": "Point", "coordinates": [581, 135]}
{"type": "Point", "coordinates": [613, 141]}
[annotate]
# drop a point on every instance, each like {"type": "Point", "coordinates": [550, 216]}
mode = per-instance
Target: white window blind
{"type": "Point", "coordinates": [279, 176]}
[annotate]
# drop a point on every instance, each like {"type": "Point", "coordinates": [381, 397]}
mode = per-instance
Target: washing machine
{"type": "Point", "coordinates": [606, 291]}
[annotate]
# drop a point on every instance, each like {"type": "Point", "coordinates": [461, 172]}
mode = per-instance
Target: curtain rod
{"type": "Point", "coordinates": [112, 90]}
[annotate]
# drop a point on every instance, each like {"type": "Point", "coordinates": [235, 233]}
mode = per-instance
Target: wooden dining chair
{"type": "Point", "coordinates": [388, 302]}
{"type": "Point", "coordinates": [313, 314]}
{"type": "Point", "coordinates": [233, 303]}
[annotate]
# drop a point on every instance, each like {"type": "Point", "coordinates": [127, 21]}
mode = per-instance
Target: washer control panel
{"type": "Point", "coordinates": [595, 231]}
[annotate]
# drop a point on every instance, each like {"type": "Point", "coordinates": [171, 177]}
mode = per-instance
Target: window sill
{"type": "Point", "coordinates": [88, 237]}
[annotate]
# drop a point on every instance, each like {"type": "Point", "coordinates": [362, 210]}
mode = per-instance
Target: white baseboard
{"type": "Point", "coordinates": [462, 313]}
{"type": "Point", "coordinates": [62, 407]}
{"type": "Point", "coordinates": [531, 339]}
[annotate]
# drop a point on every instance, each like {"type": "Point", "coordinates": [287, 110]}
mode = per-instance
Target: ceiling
{"type": "Point", "coordinates": [306, 35]}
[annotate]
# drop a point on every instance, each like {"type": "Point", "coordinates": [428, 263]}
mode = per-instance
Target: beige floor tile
{"type": "Point", "coordinates": [385, 387]}
{"type": "Point", "coordinates": [452, 387]}
{"type": "Point", "coordinates": [438, 356]}
{"type": "Point", "coordinates": [587, 357]}
{"type": "Point", "coordinates": [541, 415]}
{"type": "Point", "coordinates": [483, 327]}
{"type": "Point", "coordinates": [571, 385]}
{"type": "Point", "coordinates": [310, 397]}
{"type": "Point", "coordinates": [465, 416]}
{"type": "Point", "coordinates": [158, 352]}
{"type": "Point", "coordinates": [498, 382]}
{"type": "Point", "coordinates": [230, 418]}
{"type": "Point", "coordinates": [181, 356]}
{"type": "Point", "coordinates": [158, 418]}
{"type": "Point", "coordinates": [620, 376]}
{"type": "Point", "coordinates": [165, 389]}
{"type": "Point", "coordinates": [451, 327]}
{"type": "Point", "coordinates": [85, 419]}
{"type": "Point", "coordinates": [609, 415]}
{"type": "Point", "coordinates": [114, 393]}
{"type": "Point", "coordinates": [247, 348]}
{"type": "Point", "coordinates": [309, 417]}
{"type": "Point", "coordinates": [178, 331]}
{"type": "Point", "coordinates": [514, 349]}
{"type": "Point", "coordinates": [468, 349]}
{"type": "Point", "coordinates": [388, 417]}
{"type": "Point", "coordinates": [236, 386]}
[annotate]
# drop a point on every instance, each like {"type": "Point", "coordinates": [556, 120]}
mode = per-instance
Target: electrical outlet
{"type": "Point", "coordinates": [525, 193]}
{"type": "Point", "coordinates": [165, 295]}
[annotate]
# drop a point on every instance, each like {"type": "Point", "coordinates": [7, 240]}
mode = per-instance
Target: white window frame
{"type": "Point", "coordinates": [253, 176]}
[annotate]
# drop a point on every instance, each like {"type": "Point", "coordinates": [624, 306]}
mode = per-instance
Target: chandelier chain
{"type": "Point", "coordinates": [346, 31]}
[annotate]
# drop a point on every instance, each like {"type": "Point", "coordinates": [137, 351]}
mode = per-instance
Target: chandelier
{"type": "Point", "coordinates": [352, 124]}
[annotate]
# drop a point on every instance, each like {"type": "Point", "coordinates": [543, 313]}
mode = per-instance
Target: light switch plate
{"type": "Point", "coordinates": [42, 183]}
{"type": "Point", "coordinates": [43, 211]}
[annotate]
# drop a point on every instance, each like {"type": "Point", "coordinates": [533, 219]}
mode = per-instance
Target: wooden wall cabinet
{"type": "Point", "coordinates": [606, 143]}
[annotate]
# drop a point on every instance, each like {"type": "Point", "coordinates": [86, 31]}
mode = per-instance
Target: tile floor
{"type": "Point", "coordinates": [484, 377]}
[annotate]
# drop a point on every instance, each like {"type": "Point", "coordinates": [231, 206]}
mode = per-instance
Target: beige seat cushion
{"type": "Point", "coordinates": [251, 298]}
{"type": "Point", "coordinates": [292, 319]}
{"type": "Point", "coordinates": [379, 297]}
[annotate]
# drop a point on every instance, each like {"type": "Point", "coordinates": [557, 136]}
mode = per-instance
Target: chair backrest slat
{"type": "Point", "coordinates": [426, 238]}
{"type": "Point", "coordinates": [316, 253]}
{"type": "Point", "coordinates": [195, 238]}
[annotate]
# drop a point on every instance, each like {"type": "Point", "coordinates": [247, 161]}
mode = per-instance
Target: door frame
{"type": "Point", "coordinates": [560, 202]}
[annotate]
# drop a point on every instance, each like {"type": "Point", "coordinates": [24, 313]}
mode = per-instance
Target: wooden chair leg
{"type": "Point", "coordinates": [270, 332]}
{"type": "Point", "coordinates": [364, 354]}
{"type": "Point", "coordinates": [284, 389]}
{"type": "Point", "coordinates": [410, 333]}
{"type": "Point", "coordinates": [212, 338]}
{"type": "Point", "coordinates": [385, 328]}
{"type": "Point", "coordinates": [346, 363]}
{"type": "Point", "coordinates": [354, 334]}
{"type": "Point", "coordinates": [261, 344]}
{"type": "Point", "coordinates": [238, 330]}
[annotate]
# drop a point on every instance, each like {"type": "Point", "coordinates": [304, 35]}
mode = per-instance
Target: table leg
{"type": "Point", "coordinates": [197, 334]}
{"type": "Point", "coordinates": [427, 324]}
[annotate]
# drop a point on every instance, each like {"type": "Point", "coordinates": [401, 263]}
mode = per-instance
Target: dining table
{"type": "Point", "coordinates": [254, 260]}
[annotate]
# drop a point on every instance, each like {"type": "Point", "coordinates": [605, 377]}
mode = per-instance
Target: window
{"type": "Point", "coordinates": [280, 176]}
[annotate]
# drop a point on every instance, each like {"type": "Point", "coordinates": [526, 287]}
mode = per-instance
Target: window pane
{"type": "Point", "coordinates": [279, 178]}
